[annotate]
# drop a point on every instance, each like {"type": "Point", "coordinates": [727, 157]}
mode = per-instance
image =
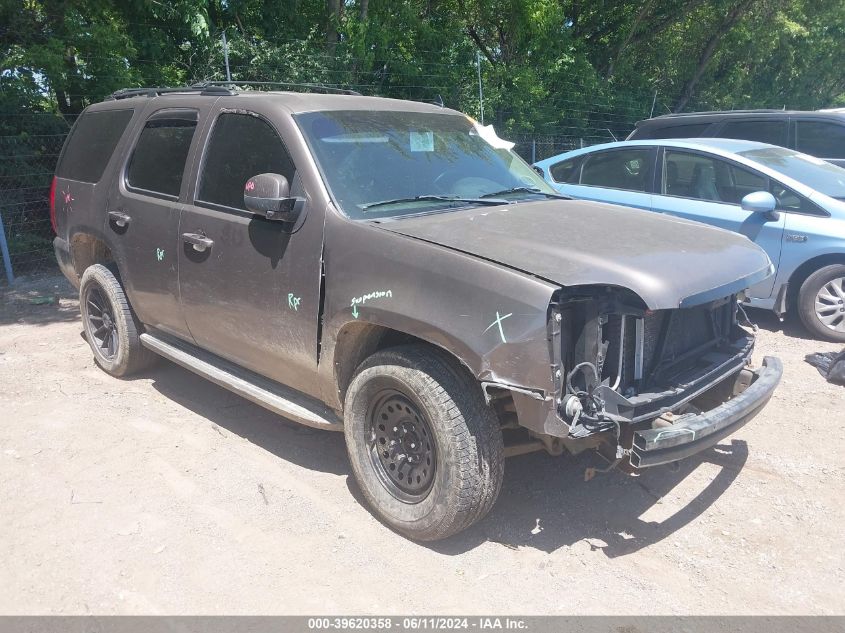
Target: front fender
{"type": "Point", "coordinates": [493, 319]}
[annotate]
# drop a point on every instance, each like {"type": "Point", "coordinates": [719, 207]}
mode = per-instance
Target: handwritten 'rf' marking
{"type": "Point", "coordinates": [498, 322]}
{"type": "Point", "coordinates": [293, 302]}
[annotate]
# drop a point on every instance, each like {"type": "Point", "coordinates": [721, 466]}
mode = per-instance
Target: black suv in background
{"type": "Point", "coordinates": [820, 133]}
{"type": "Point", "coordinates": [393, 271]}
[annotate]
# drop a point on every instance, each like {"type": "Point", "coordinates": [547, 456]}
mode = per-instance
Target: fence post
{"type": "Point", "coordinates": [7, 261]}
{"type": "Point", "coordinates": [533, 150]}
{"type": "Point", "coordinates": [226, 56]}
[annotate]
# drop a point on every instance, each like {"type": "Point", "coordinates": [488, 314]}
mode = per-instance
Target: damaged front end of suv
{"type": "Point", "coordinates": [649, 387]}
{"type": "Point", "coordinates": [637, 315]}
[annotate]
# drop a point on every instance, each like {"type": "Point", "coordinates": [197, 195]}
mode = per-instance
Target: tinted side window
{"type": "Point", "coordinates": [822, 139]}
{"type": "Point", "coordinates": [772, 132]}
{"type": "Point", "coordinates": [565, 171]}
{"type": "Point", "coordinates": [91, 144]}
{"type": "Point", "coordinates": [690, 130]}
{"type": "Point", "coordinates": [241, 146]}
{"type": "Point", "coordinates": [706, 178]}
{"type": "Point", "coordinates": [158, 159]}
{"type": "Point", "coordinates": [628, 169]}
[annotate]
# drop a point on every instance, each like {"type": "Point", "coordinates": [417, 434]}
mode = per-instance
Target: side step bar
{"type": "Point", "coordinates": [288, 403]}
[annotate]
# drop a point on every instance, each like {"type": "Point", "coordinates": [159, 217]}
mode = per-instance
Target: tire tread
{"type": "Point", "coordinates": [472, 426]}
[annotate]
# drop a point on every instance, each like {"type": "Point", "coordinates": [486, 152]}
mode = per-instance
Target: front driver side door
{"type": "Point", "coordinates": [252, 296]}
{"type": "Point", "coordinates": [708, 189]}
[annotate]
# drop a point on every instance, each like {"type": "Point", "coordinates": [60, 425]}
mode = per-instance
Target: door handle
{"type": "Point", "coordinates": [199, 241]}
{"type": "Point", "coordinates": [119, 218]}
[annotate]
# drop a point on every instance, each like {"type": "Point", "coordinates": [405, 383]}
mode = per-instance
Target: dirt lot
{"type": "Point", "coordinates": [167, 494]}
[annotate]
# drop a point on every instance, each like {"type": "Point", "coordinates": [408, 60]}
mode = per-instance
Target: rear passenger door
{"type": "Point", "coordinates": [708, 189]}
{"type": "Point", "coordinates": [143, 216]}
{"type": "Point", "coordinates": [620, 176]}
{"type": "Point", "coordinates": [253, 295]}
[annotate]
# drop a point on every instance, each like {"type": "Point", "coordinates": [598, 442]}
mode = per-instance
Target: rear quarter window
{"type": "Point", "coordinates": [91, 144]}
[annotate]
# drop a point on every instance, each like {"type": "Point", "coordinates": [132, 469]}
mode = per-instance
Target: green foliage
{"type": "Point", "coordinates": [548, 66]}
{"type": "Point", "coordinates": [555, 73]}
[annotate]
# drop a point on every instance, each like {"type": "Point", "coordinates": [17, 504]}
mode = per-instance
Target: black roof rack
{"type": "Point", "coordinates": [312, 87]}
{"type": "Point", "coordinates": [127, 93]}
{"type": "Point", "coordinates": [685, 114]}
{"type": "Point", "coordinates": [219, 88]}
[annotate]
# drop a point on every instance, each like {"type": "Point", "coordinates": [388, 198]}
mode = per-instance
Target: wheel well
{"type": "Point", "coordinates": [87, 250]}
{"type": "Point", "coordinates": [805, 270]}
{"type": "Point", "coordinates": [358, 341]}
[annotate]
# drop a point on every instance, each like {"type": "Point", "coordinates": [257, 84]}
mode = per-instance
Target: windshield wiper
{"type": "Point", "coordinates": [435, 198]}
{"type": "Point", "coordinates": [503, 192]}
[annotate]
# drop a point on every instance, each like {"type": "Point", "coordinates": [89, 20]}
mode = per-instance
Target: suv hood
{"type": "Point", "coordinates": [669, 262]}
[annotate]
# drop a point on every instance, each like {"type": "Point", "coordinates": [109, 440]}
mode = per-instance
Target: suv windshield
{"type": "Point", "coordinates": [387, 163]}
{"type": "Point", "coordinates": [809, 170]}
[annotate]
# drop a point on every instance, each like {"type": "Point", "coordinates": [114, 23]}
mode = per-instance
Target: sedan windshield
{"type": "Point", "coordinates": [388, 164]}
{"type": "Point", "coordinates": [809, 170]}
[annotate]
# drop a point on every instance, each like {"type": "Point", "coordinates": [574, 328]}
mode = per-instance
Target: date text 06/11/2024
{"type": "Point", "coordinates": [417, 623]}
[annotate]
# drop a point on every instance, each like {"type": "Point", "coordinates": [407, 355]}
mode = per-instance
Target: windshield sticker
{"type": "Point", "coordinates": [422, 141]}
{"type": "Point", "coordinates": [498, 322]}
{"type": "Point", "coordinates": [489, 134]}
{"type": "Point", "coordinates": [293, 301]}
{"type": "Point", "coordinates": [376, 294]}
{"type": "Point", "coordinates": [159, 254]}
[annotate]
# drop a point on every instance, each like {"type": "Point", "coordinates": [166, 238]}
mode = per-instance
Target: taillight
{"type": "Point", "coordinates": [53, 206]}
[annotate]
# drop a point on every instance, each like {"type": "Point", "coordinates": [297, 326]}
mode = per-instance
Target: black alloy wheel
{"type": "Point", "coordinates": [101, 323]}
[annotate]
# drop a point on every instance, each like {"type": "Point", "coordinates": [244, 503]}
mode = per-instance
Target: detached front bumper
{"type": "Point", "coordinates": [695, 432]}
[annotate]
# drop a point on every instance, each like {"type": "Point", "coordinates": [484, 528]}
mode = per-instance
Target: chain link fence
{"type": "Point", "coordinates": [29, 148]}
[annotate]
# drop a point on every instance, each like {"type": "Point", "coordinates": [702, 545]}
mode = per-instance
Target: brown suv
{"type": "Point", "coordinates": [392, 270]}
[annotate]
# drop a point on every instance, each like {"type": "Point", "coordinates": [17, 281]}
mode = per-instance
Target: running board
{"type": "Point", "coordinates": [279, 399]}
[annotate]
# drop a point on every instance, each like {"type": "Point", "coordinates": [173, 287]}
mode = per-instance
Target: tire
{"type": "Point", "coordinates": [103, 304]}
{"type": "Point", "coordinates": [827, 285]}
{"type": "Point", "coordinates": [433, 398]}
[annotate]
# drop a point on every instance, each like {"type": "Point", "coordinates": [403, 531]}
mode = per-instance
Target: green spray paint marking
{"type": "Point", "coordinates": [498, 322]}
{"type": "Point", "coordinates": [159, 254]}
{"type": "Point", "coordinates": [293, 302]}
{"type": "Point", "coordinates": [376, 294]}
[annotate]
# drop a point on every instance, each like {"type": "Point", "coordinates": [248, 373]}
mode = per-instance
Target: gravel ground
{"type": "Point", "coordinates": [166, 494]}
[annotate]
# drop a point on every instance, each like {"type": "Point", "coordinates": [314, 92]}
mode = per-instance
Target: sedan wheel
{"type": "Point", "coordinates": [821, 303]}
{"type": "Point", "coordinates": [830, 304]}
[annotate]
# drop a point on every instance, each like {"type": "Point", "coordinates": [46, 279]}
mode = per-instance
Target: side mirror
{"type": "Point", "coordinates": [760, 202]}
{"type": "Point", "coordinates": [268, 195]}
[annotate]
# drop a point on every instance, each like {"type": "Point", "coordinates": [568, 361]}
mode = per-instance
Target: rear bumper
{"type": "Point", "coordinates": [65, 260]}
{"type": "Point", "coordinates": [695, 432]}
